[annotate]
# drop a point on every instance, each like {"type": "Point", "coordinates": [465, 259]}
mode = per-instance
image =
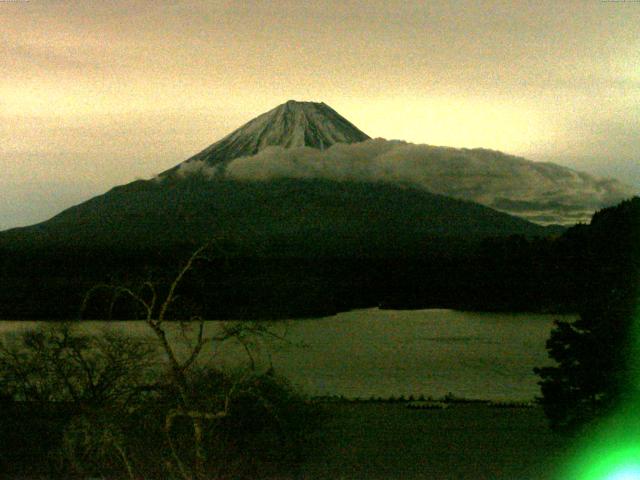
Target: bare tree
{"type": "Point", "coordinates": [151, 406]}
{"type": "Point", "coordinates": [155, 308]}
{"type": "Point", "coordinates": [58, 373]}
{"type": "Point", "coordinates": [56, 363]}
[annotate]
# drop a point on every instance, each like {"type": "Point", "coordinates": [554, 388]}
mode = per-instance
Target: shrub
{"type": "Point", "coordinates": [109, 418]}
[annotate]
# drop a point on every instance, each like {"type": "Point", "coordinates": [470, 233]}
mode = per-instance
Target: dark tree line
{"type": "Point", "coordinates": [496, 274]}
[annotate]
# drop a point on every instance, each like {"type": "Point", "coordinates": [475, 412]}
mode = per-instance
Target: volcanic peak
{"type": "Point", "coordinates": [292, 124]}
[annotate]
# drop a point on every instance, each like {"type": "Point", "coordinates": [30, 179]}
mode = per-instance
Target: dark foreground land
{"type": "Point", "coordinates": [388, 440]}
{"type": "Point", "coordinates": [464, 441]}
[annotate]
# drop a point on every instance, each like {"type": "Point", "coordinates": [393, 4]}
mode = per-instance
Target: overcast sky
{"type": "Point", "coordinates": [96, 93]}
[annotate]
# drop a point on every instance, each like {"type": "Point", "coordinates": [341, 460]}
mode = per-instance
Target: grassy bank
{"type": "Point", "coordinates": [463, 441]}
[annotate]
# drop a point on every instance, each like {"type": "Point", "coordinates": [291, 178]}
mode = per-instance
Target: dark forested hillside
{"type": "Point", "coordinates": [312, 217]}
{"type": "Point", "coordinates": [338, 247]}
{"type": "Point", "coordinates": [288, 247]}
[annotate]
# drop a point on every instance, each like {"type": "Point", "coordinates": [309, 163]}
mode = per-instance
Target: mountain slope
{"type": "Point", "coordinates": [299, 245]}
{"type": "Point", "coordinates": [292, 124]}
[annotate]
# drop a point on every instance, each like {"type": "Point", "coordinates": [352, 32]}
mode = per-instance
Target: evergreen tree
{"type": "Point", "coordinates": [597, 354]}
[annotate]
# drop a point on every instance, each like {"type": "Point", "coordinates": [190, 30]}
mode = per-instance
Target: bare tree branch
{"type": "Point", "coordinates": [171, 295]}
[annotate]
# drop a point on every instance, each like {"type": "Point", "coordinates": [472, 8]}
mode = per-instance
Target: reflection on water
{"type": "Point", "coordinates": [373, 352]}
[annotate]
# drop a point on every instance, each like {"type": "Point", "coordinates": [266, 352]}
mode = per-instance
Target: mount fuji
{"type": "Point", "coordinates": [303, 175]}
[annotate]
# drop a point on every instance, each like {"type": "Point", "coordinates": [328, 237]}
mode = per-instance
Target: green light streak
{"type": "Point", "coordinates": [611, 452]}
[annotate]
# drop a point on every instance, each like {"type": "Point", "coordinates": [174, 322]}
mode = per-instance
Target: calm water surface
{"type": "Point", "coordinates": [374, 352]}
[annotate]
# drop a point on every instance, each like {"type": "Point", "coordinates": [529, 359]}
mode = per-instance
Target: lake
{"type": "Point", "coordinates": [383, 353]}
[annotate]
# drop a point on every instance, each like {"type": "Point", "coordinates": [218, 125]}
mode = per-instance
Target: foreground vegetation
{"type": "Point", "coordinates": [387, 440]}
{"type": "Point", "coordinates": [80, 405]}
{"type": "Point", "coordinates": [123, 406]}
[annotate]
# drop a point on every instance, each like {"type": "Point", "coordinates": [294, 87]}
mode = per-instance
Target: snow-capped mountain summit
{"type": "Point", "coordinates": [292, 124]}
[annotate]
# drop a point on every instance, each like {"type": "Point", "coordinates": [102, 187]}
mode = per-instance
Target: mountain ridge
{"type": "Point", "coordinates": [369, 219]}
{"type": "Point", "coordinates": [310, 139]}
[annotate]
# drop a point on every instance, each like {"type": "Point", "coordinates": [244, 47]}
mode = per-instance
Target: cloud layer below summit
{"type": "Point", "coordinates": [541, 192]}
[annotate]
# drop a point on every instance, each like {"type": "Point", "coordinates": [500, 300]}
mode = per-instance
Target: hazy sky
{"type": "Point", "coordinates": [96, 93]}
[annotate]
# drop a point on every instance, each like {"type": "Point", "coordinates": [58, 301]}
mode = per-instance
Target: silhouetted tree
{"type": "Point", "coordinates": [190, 402]}
{"type": "Point", "coordinates": [597, 354]}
